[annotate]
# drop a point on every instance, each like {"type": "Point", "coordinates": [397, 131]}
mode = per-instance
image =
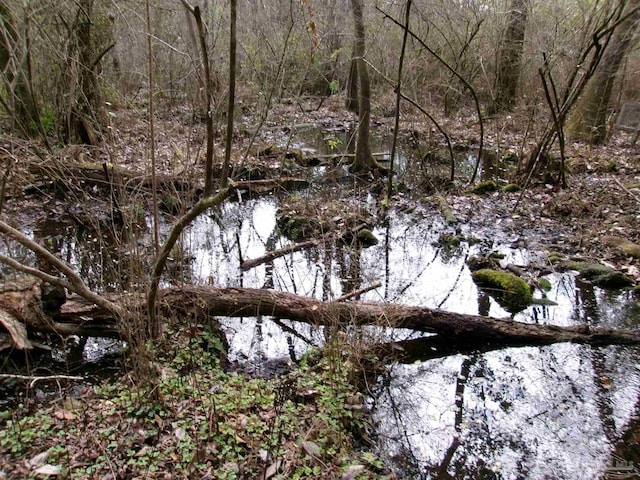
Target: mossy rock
{"type": "Point", "coordinates": [511, 292]}
{"type": "Point", "coordinates": [630, 249]}
{"type": "Point", "coordinates": [367, 238]}
{"type": "Point", "coordinates": [511, 187]}
{"type": "Point", "coordinates": [482, 188]}
{"type": "Point", "coordinates": [601, 275]}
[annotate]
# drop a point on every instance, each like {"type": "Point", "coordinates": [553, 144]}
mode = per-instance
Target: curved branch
{"type": "Point", "coordinates": [460, 77]}
{"type": "Point", "coordinates": [426, 114]}
{"type": "Point", "coordinates": [75, 284]}
{"type": "Point", "coordinates": [161, 260]}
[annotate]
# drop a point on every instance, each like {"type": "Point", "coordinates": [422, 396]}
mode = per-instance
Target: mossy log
{"type": "Point", "coordinates": [248, 302]}
{"type": "Point", "coordinates": [600, 275]}
{"type": "Point", "coordinates": [446, 211]}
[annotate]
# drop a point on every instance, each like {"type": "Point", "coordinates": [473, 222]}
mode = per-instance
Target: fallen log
{"type": "Point", "coordinates": [296, 247]}
{"type": "Point", "coordinates": [109, 176]}
{"type": "Point", "coordinates": [249, 302]}
{"type": "Point", "coordinates": [270, 184]}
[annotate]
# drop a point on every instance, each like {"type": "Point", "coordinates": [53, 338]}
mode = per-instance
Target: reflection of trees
{"type": "Point", "coordinates": [507, 406]}
{"type": "Point", "coordinates": [403, 457]}
{"type": "Point", "coordinates": [97, 252]}
{"type": "Point", "coordinates": [441, 471]}
{"type": "Point", "coordinates": [348, 259]}
{"type": "Point", "coordinates": [586, 296]}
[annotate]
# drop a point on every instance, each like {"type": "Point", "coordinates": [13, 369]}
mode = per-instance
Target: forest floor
{"type": "Point", "coordinates": [305, 424]}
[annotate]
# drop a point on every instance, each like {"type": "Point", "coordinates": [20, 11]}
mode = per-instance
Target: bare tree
{"type": "Point", "coordinates": [509, 61]}
{"type": "Point", "coordinates": [589, 121]}
{"type": "Point", "coordinates": [13, 66]}
{"type": "Point", "coordinates": [84, 112]}
{"type": "Point", "coordinates": [560, 102]}
{"type": "Point", "coordinates": [364, 160]}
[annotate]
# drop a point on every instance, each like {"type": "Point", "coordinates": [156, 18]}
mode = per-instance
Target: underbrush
{"type": "Point", "coordinates": [198, 421]}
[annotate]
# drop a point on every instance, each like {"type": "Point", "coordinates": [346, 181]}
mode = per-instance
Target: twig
{"type": "Point", "coordinates": [635, 197]}
{"type": "Point", "coordinates": [270, 256]}
{"type": "Point", "coordinates": [34, 379]}
{"type": "Point", "coordinates": [357, 293]}
{"type": "Point", "coordinates": [460, 77]}
{"type": "Point", "coordinates": [152, 143]}
{"type": "Point", "coordinates": [398, 98]}
{"type": "Point", "coordinates": [292, 331]}
{"type": "Point", "coordinates": [425, 113]}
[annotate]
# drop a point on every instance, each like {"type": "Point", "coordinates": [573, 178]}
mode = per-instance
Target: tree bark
{"type": "Point", "coordinates": [85, 117]}
{"type": "Point", "coordinates": [468, 330]}
{"type": "Point", "coordinates": [589, 122]}
{"type": "Point", "coordinates": [351, 103]}
{"type": "Point", "coordinates": [364, 160]}
{"type": "Point", "coordinates": [509, 62]}
{"type": "Point", "coordinates": [15, 73]}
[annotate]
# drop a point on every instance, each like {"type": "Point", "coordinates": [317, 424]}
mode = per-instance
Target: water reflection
{"type": "Point", "coordinates": [515, 413]}
{"type": "Point", "coordinates": [549, 412]}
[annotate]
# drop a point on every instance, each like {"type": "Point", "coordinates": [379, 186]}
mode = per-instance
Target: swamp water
{"type": "Point", "coordinates": [536, 412]}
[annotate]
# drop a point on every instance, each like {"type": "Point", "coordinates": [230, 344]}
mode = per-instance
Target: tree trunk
{"type": "Point", "coordinates": [509, 61]}
{"type": "Point", "coordinates": [20, 104]}
{"type": "Point", "coordinates": [202, 302]}
{"type": "Point", "coordinates": [363, 161]}
{"type": "Point", "coordinates": [589, 122]}
{"type": "Point", "coordinates": [352, 88]}
{"type": "Point", "coordinates": [200, 105]}
{"type": "Point", "coordinates": [85, 116]}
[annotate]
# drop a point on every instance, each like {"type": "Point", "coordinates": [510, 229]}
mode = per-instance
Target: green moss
{"type": "Point", "coordinates": [448, 241]}
{"type": "Point", "coordinates": [600, 275]}
{"type": "Point", "coordinates": [485, 187]}
{"type": "Point", "coordinates": [367, 238]}
{"type": "Point", "coordinates": [511, 292]}
{"type": "Point", "coordinates": [628, 248]}
{"type": "Point", "coordinates": [512, 187]}
{"type": "Point", "coordinates": [446, 211]}
{"type": "Point", "coordinates": [555, 258]}
{"type": "Point", "coordinates": [544, 284]}
{"type": "Point", "coordinates": [471, 240]}
{"type": "Point", "coordinates": [297, 227]}
{"type": "Point", "coordinates": [544, 301]}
